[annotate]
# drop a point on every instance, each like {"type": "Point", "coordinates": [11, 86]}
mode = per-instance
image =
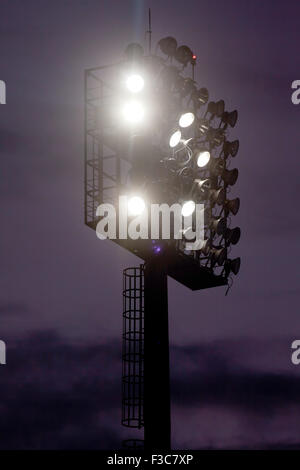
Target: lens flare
{"type": "Point", "coordinates": [133, 112]}
{"type": "Point", "coordinates": [135, 83]}
{"type": "Point", "coordinates": [188, 208]}
{"type": "Point", "coordinates": [136, 205]}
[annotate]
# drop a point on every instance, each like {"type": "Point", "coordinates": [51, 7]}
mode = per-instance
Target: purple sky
{"type": "Point", "coordinates": [233, 384]}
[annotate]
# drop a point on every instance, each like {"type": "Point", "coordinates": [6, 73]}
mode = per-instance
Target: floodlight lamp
{"type": "Point", "coordinates": [206, 245]}
{"type": "Point", "coordinates": [230, 176]}
{"type": "Point", "coordinates": [219, 225]}
{"type": "Point", "coordinates": [230, 118]}
{"type": "Point", "coordinates": [136, 206]}
{"type": "Point", "coordinates": [202, 158]}
{"type": "Point", "coordinates": [233, 235]}
{"type": "Point", "coordinates": [200, 97]}
{"type": "Point", "coordinates": [220, 107]}
{"type": "Point", "coordinates": [232, 205]}
{"type": "Point", "coordinates": [231, 148]}
{"type": "Point", "coordinates": [202, 186]}
{"type": "Point", "coordinates": [234, 148]}
{"type": "Point", "coordinates": [134, 52]}
{"type": "Point", "coordinates": [219, 255]}
{"type": "Point", "coordinates": [216, 109]}
{"type": "Point", "coordinates": [232, 265]}
{"type": "Point", "coordinates": [211, 108]}
{"type": "Point", "coordinates": [215, 136]}
{"type": "Point", "coordinates": [188, 208]}
{"type": "Point", "coordinates": [217, 196]}
{"type": "Point", "coordinates": [168, 46]}
{"type": "Point", "coordinates": [135, 83]}
{"type": "Point", "coordinates": [235, 265]}
{"type": "Point", "coordinates": [186, 119]}
{"type": "Point", "coordinates": [184, 55]}
{"type": "Point", "coordinates": [133, 112]}
{"type": "Point", "coordinates": [203, 126]}
{"type": "Point", "coordinates": [217, 165]}
{"type": "Point", "coordinates": [175, 139]}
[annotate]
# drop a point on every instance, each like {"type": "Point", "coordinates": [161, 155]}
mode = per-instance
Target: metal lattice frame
{"type": "Point", "coordinates": [102, 175]}
{"type": "Point", "coordinates": [133, 347]}
{"type": "Point", "coordinates": [106, 175]}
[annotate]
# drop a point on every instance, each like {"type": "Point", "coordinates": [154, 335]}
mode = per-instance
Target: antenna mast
{"type": "Point", "coordinates": [149, 30]}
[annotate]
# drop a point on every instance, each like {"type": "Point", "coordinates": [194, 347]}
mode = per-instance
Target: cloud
{"type": "Point", "coordinates": [62, 395]}
{"type": "Point", "coordinates": [12, 308]}
{"type": "Point", "coordinates": [58, 395]}
{"type": "Point", "coordinates": [220, 380]}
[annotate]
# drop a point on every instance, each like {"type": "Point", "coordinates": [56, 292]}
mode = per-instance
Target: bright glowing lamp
{"type": "Point", "coordinates": [186, 119]}
{"type": "Point", "coordinates": [136, 206]}
{"type": "Point", "coordinates": [188, 208]}
{"type": "Point", "coordinates": [133, 112]}
{"type": "Point", "coordinates": [203, 158]}
{"type": "Point", "coordinates": [175, 139]}
{"type": "Point", "coordinates": [135, 83]}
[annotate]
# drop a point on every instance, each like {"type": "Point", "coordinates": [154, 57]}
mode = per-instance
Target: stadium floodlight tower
{"type": "Point", "coordinates": [152, 135]}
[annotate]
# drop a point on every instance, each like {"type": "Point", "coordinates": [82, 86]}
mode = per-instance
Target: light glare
{"type": "Point", "coordinates": [203, 158]}
{"type": "Point", "coordinates": [133, 112]}
{"type": "Point", "coordinates": [136, 205]}
{"type": "Point", "coordinates": [188, 208]}
{"type": "Point", "coordinates": [186, 119]}
{"type": "Point", "coordinates": [135, 83]}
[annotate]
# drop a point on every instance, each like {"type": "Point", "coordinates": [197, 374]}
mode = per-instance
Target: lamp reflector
{"type": "Point", "coordinates": [201, 186]}
{"type": "Point", "coordinates": [205, 248]}
{"type": "Point", "coordinates": [200, 97]}
{"type": "Point", "coordinates": [233, 235]}
{"type": "Point", "coordinates": [230, 118]}
{"type": "Point", "coordinates": [218, 225]}
{"type": "Point", "coordinates": [168, 46]}
{"type": "Point", "coordinates": [230, 176]}
{"type": "Point", "coordinates": [219, 108]}
{"type": "Point", "coordinates": [219, 255]}
{"type": "Point", "coordinates": [217, 196]}
{"type": "Point", "coordinates": [184, 55]}
{"type": "Point", "coordinates": [233, 205]}
{"type": "Point", "coordinates": [235, 265]}
{"type": "Point", "coordinates": [231, 148]}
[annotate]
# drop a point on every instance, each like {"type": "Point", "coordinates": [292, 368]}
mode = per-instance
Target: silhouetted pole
{"type": "Point", "coordinates": [157, 421]}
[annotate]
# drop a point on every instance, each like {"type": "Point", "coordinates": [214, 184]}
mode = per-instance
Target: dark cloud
{"type": "Point", "coordinates": [219, 381]}
{"type": "Point", "coordinates": [11, 308]}
{"type": "Point", "coordinates": [56, 395]}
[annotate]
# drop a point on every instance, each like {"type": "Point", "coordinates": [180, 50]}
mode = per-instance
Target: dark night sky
{"type": "Point", "coordinates": [233, 384]}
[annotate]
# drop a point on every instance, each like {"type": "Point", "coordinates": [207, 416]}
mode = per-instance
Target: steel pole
{"type": "Point", "coordinates": [157, 421]}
